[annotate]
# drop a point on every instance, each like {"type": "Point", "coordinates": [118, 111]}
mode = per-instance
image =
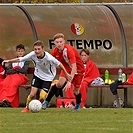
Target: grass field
{"type": "Point", "coordinates": [53, 120]}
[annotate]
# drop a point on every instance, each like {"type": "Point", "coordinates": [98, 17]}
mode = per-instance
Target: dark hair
{"type": "Point", "coordinates": [85, 50]}
{"type": "Point", "coordinates": [39, 43]}
{"type": "Point", "coordinates": [20, 46]}
{"type": "Point", "coordinates": [58, 35]}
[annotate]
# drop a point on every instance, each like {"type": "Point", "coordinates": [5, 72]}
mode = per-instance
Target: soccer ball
{"type": "Point", "coordinates": [35, 106]}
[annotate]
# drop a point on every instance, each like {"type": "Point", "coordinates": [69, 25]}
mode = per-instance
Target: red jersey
{"type": "Point", "coordinates": [67, 57]}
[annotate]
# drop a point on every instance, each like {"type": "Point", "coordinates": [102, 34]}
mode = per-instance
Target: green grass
{"type": "Point", "coordinates": [53, 120]}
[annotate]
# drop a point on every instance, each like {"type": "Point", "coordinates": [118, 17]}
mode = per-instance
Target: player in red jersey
{"type": "Point", "coordinates": [71, 60]}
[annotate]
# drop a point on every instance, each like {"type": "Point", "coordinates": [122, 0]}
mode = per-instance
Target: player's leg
{"type": "Point", "coordinates": [53, 91]}
{"type": "Point", "coordinates": [44, 92]}
{"type": "Point", "coordinates": [30, 97]}
{"type": "Point", "coordinates": [78, 99]}
{"type": "Point", "coordinates": [43, 96]}
{"type": "Point", "coordinates": [45, 89]}
{"type": "Point", "coordinates": [60, 85]}
{"type": "Point", "coordinates": [59, 91]}
{"type": "Point", "coordinates": [77, 81]}
{"type": "Point", "coordinates": [36, 83]}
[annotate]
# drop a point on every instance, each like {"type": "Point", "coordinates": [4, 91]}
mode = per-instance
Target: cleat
{"type": "Point", "coordinates": [77, 108]}
{"type": "Point", "coordinates": [44, 105]}
{"type": "Point", "coordinates": [25, 110]}
{"type": "Point", "coordinates": [6, 103]}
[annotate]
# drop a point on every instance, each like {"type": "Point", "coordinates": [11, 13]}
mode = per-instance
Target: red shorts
{"type": "Point", "coordinates": [76, 80]}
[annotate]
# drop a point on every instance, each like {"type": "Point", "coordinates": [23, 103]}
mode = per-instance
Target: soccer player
{"type": "Point", "coordinates": [45, 70]}
{"type": "Point", "coordinates": [71, 60]}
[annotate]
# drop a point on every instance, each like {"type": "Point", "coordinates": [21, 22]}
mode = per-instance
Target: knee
{"type": "Point", "coordinates": [59, 85]}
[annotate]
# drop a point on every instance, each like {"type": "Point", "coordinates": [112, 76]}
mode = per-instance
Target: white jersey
{"type": "Point", "coordinates": [45, 68]}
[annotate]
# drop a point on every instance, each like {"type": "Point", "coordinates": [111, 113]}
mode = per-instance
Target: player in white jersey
{"type": "Point", "coordinates": [45, 70]}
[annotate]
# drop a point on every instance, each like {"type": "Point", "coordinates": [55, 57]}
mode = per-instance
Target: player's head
{"type": "Point", "coordinates": [59, 41]}
{"type": "Point", "coordinates": [20, 50]}
{"type": "Point", "coordinates": [39, 48]}
{"type": "Point", "coordinates": [84, 54]}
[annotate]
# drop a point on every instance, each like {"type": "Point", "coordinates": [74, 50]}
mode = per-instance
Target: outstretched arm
{"type": "Point", "coordinates": [11, 60]}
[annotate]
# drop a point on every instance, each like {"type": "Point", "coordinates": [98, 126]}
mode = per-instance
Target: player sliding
{"type": "Point", "coordinates": [45, 70]}
{"type": "Point", "coordinates": [71, 60]}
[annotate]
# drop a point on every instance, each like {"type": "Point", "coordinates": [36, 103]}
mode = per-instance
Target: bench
{"type": "Point", "coordinates": [112, 71]}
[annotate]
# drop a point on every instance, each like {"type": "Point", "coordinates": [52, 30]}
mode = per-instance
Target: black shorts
{"type": "Point", "coordinates": [40, 84]}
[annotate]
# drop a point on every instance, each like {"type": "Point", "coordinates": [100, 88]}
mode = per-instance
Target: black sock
{"type": "Point", "coordinates": [52, 92]}
{"type": "Point", "coordinates": [59, 91]}
{"type": "Point", "coordinates": [78, 98]}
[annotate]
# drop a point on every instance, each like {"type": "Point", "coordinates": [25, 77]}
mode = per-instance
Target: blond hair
{"type": "Point", "coordinates": [58, 35]}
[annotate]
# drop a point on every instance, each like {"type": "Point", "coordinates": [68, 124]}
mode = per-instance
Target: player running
{"type": "Point", "coordinates": [71, 60]}
{"type": "Point", "coordinates": [45, 70]}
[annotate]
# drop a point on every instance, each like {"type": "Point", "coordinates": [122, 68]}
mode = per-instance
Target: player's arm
{"type": "Point", "coordinates": [11, 60]}
{"type": "Point", "coordinates": [72, 60]}
{"type": "Point", "coordinates": [24, 58]}
{"type": "Point", "coordinates": [69, 77]}
{"type": "Point", "coordinates": [74, 70]}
